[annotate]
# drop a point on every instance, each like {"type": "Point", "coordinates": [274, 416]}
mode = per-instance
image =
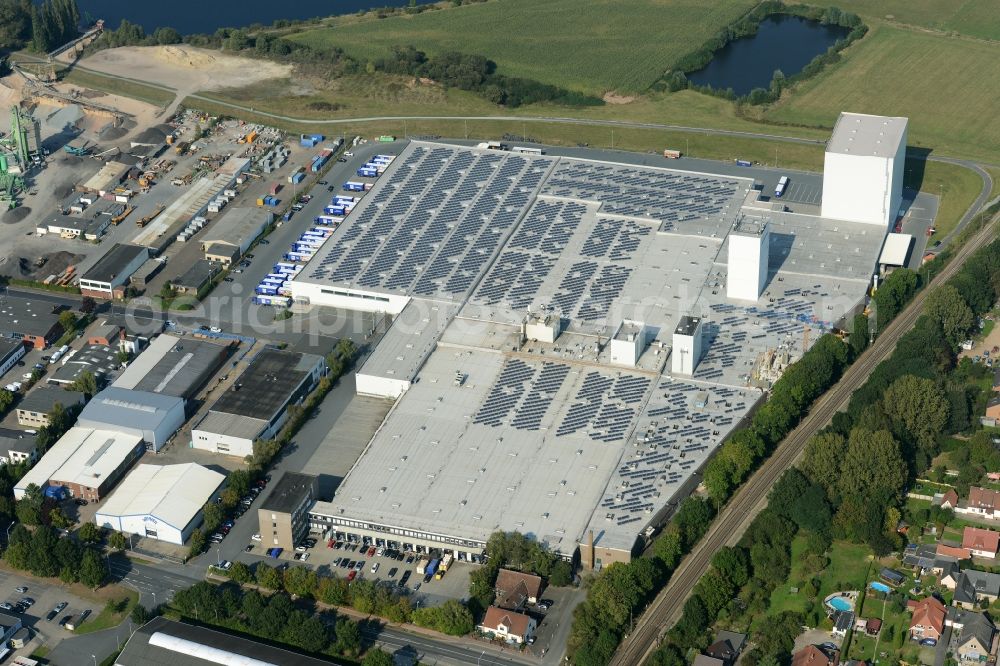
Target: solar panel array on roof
{"type": "Point", "coordinates": [434, 225]}
{"type": "Point", "coordinates": [522, 394]}
{"type": "Point", "coordinates": [667, 196]}
{"type": "Point", "coordinates": [604, 406]}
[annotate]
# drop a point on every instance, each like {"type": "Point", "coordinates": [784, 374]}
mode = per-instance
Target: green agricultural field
{"type": "Point", "coordinates": [948, 87]}
{"type": "Point", "coordinates": [977, 18]}
{"type": "Point", "coordinates": [593, 46]}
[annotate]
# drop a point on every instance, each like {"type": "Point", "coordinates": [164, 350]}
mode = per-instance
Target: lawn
{"type": "Point", "coordinates": [114, 613]}
{"type": "Point", "coordinates": [590, 45]}
{"type": "Point", "coordinates": [847, 570]}
{"type": "Point", "coordinates": [947, 86]}
{"type": "Point", "coordinates": [977, 18]}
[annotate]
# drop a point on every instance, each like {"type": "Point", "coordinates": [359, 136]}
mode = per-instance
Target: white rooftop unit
{"type": "Point", "coordinates": [687, 346]}
{"type": "Point", "coordinates": [749, 247]}
{"type": "Point", "coordinates": [863, 169]}
{"type": "Point", "coordinates": [896, 250]}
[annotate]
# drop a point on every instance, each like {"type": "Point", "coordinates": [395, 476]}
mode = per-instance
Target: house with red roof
{"type": "Point", "coordinates": [981, 542]}
{"type": "Point", "coordinates": [508, 625]}
{"type": "Point", "coordinates": [927, 623]}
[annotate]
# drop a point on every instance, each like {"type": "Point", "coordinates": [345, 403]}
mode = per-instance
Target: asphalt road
{"type": "Point", "coordinates": [751, 498]}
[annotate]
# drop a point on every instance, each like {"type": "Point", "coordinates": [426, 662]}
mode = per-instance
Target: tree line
{"type": "Point", "coordinates": [851, 481]}
{"type": "Point", "coordinates": [513, 550]}
{"type": "Point", "coordinates": [470, 72]}
{"type": "Point", "coordinates": [42, 27]}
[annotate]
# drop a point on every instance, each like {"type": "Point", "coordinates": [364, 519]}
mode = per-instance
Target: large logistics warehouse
{"type": "Point", "coordinates": [567, 352]}
{"type": "Point", "coordinates": [161, 502]}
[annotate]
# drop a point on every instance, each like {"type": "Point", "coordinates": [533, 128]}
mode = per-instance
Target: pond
{"type": "Point", "coordinates": [782, 42]}
{"type": "Point", "coordinates": [198, 16]}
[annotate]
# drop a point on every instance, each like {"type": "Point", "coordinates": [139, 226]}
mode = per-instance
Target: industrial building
{"type": "Point", "coordinates": [573, 340]}
{"type": "Point", "coordinates": [863, 169]}
{"type": "Point", "coordinates": [284, 515]}
{"type": "Point", "coordinates": [34, 409]}
{"type": "Point", "coordinates": [108, 277]}
{"type": "Point", "coordinates": [34, 322]}
{"type": "Point", "coordinates": [174, 366]}
{"type": "Point", "coordinates": [84, 462]}
{"type": "Point", "coordinates": [17, 446]}
{"type": "Point", "coordinates": [162, 502]}
{"type": "Point", "coordinates": [196, 277]}
{"type": "Point", "coordinates": [255, 407]}
{"type": "Point", "coordinates": [163, 642]}
{"type": "Point", "coordinates": [154, 417]}
{"type": "Point", "coordinates": [11, 351]}
{"type": "Point", "coordinates": [234, 232]}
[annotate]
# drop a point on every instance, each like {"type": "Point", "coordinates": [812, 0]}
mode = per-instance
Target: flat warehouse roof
{"type": "Point", "coordinates": [238, 225]}
{"type": "Point", "coordinates": [266, 384]}
{"type": "Point", "coordinates": [896, 249]}
{"type": "Point", "coordinates": [172, 494]}
{"type": "Point", "coordinates": [10, 347]}
{"type": "Point", "coordinates": [173, 366]}
{"type": "Point", "coordinates": [288, 492]}
{"type": "Point", "coordinates": [111, 265]}
{"type": "Point", "coordinates": [128, 408]}
{"type": "Point", "coordinates": [44, 398]}
{"type": "Point", "coordinates": [863, 134]}
{"type": "Point", "coordinates": [233, 425]}
{"type": "Point", "coordinates": [551, 439]}
{"type": "Point", "coordinates": [25, 316]}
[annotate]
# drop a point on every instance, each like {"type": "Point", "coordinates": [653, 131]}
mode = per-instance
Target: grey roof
{"type": "Point", "coordinates": [126, 408]}
{"type": "Point", "coordinates": [163, 642]}
{"type": "Point", "coordinates": [843, 620]}
{"type": "Point", "coordinates": [9, 620]}
{"type": "Point", "coordinates": [25, 316]}
{"type": "Point", "coordinates": [863, 134]}
{"type": "Point", "coordinates": [44, 398]}
{"type": "Point", "coordinates": [173, 366]}
{"type": "Point", "coordinates": [238, 226]}
{"type": "Point", "coordinates": [687, 325]}
{"type": "Point", "coordinates": [9, 347]}
{"type": "Point", "coordinates": [234, 425]}
{"type": "Point", "coordinates": [288, 492]}
{"type": "Point", "coordinates": [266, 385]}
{"type": "Point", "coordinates": [972, 583]}
{"type": "Point", "coordinates": [16, 440]}
{"type": "Point", "coordinates": [920, 555]}
{"type": "Point", "coordinates": [198, 274]}
{"type": "Point", "coordinates": [105, 330]}
{"type": "Point", "coordinates": [973, 625]}
{"type": "Point", "coordinates": [111, 265]}
{"type": "Point", "coordinates": [219, 249]}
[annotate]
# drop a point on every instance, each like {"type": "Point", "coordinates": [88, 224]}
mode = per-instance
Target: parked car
{"type": "Point", "coordinates": [227, 279]}
{"type": "Point", "coordinates": [21, 590]}
{"type": "Point", "coordinates": [249, 548]}
{"type": "Point", "coordinates": [256, 537]}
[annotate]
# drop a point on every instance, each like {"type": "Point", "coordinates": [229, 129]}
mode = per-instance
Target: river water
{"type": "Point", "coordinates": [207, 16]}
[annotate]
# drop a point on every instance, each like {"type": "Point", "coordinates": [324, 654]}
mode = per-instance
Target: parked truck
{"type": "Point", "coordinates": [446, 562]}
{"type": "Point", "coordinates": [431, 568]}
{"type": "Point", "coordinates": [422, 565]}
{"type": "Point", "coordinates": [672, 154]}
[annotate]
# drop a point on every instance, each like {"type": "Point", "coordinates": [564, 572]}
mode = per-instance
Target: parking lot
{"type": "Point", "coordinates": [46, 624]}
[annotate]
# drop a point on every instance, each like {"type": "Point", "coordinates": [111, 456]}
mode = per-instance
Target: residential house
{"type": "Point", "coordinates": [515, 589]}
{"type": "Point", "coordinates": [949, 576]}
{"type": "Point", "coordinates": [974, 587]}
{"type": "Point", "coordinates": [973, 635]}
{"type": "Point", "coordinates": [981, 542]}
{"type": "Point", "coordinates": [955, 552]}
{"type": "Point", "coordinates": [927, 623]}
{"type": "Point", "coordinates": [843, 622]}
{"type": "Point", "coordinates": [17, 446]}
{"type": "Point", "coordinates": [727, 646]}
{"type": "Point", "coordinates": [982, 502]}
{"type": "Point", "coordinates": [949, 500]}
{"type": "Point", "coordinates": [705, 660]}
{"type": "Point", "coordinates": [870, 626]}
{"type": "Point", "coordinates": [812, 655]}
{"type": "Point", "coordinates": [508, 625]}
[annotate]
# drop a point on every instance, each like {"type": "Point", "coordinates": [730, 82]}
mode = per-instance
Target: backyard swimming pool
{"type": "Point", "coordinates": [841, 603]}
{"type": "Point", "coordinates": [879, 587]}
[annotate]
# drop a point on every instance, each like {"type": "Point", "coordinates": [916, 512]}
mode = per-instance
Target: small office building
{"type": "Point", "coordinates": [33, 411]}
{"type": "Point", "coordinates": [17, 446]}
{"type": "Point", "coordinates": [11, 351]}
{"type": "Point", "coordinates": [284, 515]}
{"type": "Point", "coordinates": [161, 502]}
{"type": "Point", "coordinates": [256, 405]}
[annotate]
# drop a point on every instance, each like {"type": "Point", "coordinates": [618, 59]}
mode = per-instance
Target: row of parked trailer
{"type": "Point", "coordinates": [273, 289]}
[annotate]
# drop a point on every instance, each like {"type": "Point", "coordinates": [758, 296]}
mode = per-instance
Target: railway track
{"type": "Point", "coordinates": [751, 498]}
